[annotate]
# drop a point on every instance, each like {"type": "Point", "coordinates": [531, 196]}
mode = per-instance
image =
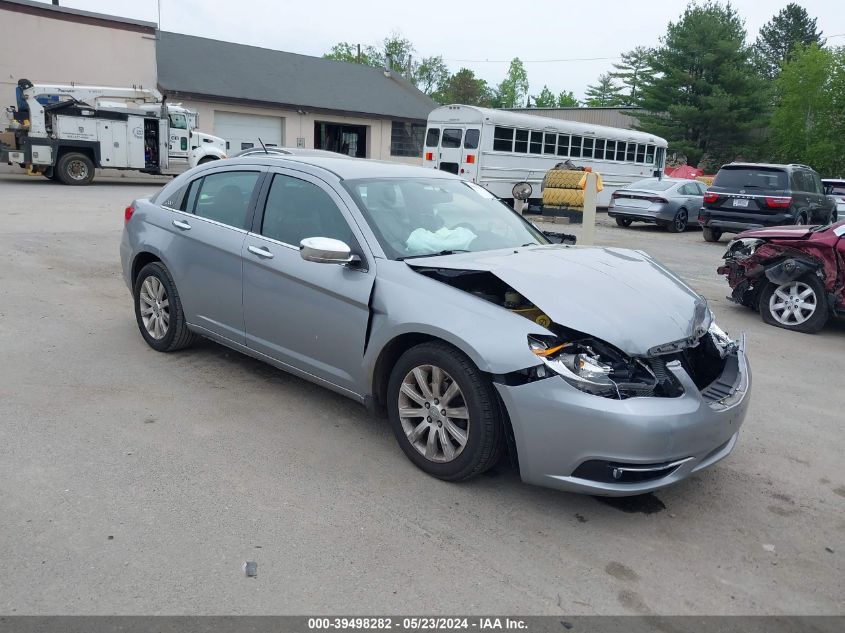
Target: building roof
{"type": "Point", "coordinates": [198, 67]}
{"type": "Point", "coordinates": [44, 9]}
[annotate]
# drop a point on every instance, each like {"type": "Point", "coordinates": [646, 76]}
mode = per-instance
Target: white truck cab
{"type": "Point", "coordinates": [64, 132]}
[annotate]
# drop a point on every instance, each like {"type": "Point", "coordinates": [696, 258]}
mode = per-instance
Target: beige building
{"type": "Point", "coordinates": [242, 93]}
{"type": "Point", "coordinates": [50, 44]}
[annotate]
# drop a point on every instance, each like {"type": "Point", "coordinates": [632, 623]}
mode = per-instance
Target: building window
{"type": "Point", "coordinates": [406, 139]}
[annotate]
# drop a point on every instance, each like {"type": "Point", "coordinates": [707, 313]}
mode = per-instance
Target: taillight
{"type": "Point", "coordinates": [471, 158]}
{"type": "Point", "coordinates": [127, 213]}
{"type": "Point", "coordinates": [779, 202]}
{"type": "Point", "coordinates": [660, 200]}
{"type": "Point", "coordinates": [429, 155]}
{"type": "Point", "coordinates": [615, 195]}
{"type": "Point", "coordinates": [710, 196]}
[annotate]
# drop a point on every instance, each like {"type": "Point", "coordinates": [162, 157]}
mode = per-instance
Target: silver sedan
{"type": "Point", "coordinates": [667, 202]}
{"type": "Point", "coordinates": [426, 299]}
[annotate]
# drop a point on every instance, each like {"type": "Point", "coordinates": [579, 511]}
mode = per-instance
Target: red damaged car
{"type": "Point", "coordinates": [794, 275]}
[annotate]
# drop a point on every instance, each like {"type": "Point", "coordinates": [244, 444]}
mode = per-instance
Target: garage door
{"type": "Point", "coordinates": [242, 131]}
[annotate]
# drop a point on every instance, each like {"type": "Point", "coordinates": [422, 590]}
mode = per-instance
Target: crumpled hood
{"type": "Point", "coordinates": [620, 296]}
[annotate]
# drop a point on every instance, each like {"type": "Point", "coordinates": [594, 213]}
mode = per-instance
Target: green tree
{"type": "Point", "coordinates": [396, 52]}
{"type": "Point", "coordinates": [513, 90]}
{"type": "Point", "coordinates": [605, 93]}
{"type": "Point", "coordinates": [546, 99]}
{"type": "Point", "coordinates": [464, 87]}
{"type": "Point", "coordinates": [705, 96]}
{"type": "Point", "coordinates": [631, 72]}
{"type": "Point", "coordinates": [791, 27]}
{"type": "Point", "coordinates": [567, 100]}
{"type": "Point", "coordinates": [807, 124]}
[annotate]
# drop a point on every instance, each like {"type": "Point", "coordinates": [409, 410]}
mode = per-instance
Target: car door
{"type": "Point", "coordinates": [309, 316]}
{"type": "Point", "coordinates": [209, 229]}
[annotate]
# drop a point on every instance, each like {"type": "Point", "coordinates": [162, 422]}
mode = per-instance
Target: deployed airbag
{"type": "Point", "coordinates": [423, 241]}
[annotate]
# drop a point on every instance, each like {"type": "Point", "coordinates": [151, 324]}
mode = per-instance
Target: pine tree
{"type": "Point", "coordinates": [605, 93]}
{"type": "Point", "coordinates": [705, 95]}
{"type": "Point", "coordinates": [546, 99]}
{"type": "Point", "coordinates": [791, 27]}
{"type": "Point", "coordinates": [632, 71]}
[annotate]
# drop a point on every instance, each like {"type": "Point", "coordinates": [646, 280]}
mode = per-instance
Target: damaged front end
{"type": "Point", "coordinates": [593, 365]}
{"type": "Point", "coordinates": [752, 263]}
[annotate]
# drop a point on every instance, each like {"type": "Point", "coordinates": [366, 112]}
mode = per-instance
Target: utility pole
{"type": "Point", "coordinates": [359, 52]}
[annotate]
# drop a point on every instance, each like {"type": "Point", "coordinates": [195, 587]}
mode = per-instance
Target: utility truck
{"type": "Point", "coordinates": [64, 132]}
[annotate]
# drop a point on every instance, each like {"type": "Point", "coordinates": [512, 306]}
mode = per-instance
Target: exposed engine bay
{"type": "Point", "coordinates": [588, 363]}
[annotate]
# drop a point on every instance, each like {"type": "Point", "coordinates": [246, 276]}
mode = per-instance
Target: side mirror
{"type": "Point", "coordinates": [325, 250]}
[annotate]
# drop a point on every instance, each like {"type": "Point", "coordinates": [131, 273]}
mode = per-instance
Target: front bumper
{"type": "Point", "coordinates": [560, 430]}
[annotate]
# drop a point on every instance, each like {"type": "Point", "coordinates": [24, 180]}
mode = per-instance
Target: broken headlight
{"type": "Point", "coordinates": [742, 248]}
{"type": "Point", "coordinates": [721, 341]}
{"type": "Point", "coordinates": [578, 364]}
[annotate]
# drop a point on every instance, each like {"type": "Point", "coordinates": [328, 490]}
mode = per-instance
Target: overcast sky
{"type": "Point", "coordinates": [482, 36]}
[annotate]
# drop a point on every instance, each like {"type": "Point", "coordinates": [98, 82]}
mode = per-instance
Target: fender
{"type": "Point", "coordinates": [790, 269]}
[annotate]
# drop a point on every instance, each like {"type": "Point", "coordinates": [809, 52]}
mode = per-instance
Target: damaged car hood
{"type": "Point", "coordinates": [620, 296]}
{"type": "Point", "coordinates": [777, 232]}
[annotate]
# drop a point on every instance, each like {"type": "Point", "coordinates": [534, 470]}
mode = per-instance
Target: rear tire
{"type": "Point", "coordinates": [711, 235]}
{"type": "Point", "coordinates": [623, 222]}
{"type": "Point", "coordinates": [74, 168]}
{"type": "Point", "coordinates": [679, 222]}
{"type": "Point", "coordinates": [801, 219]}
{"type": "Point", "coordinates": [807, 298]}
{"type": "Point", "coordinates": [431, 439]}
{"type": "Point", "coordinates": [158, 310]}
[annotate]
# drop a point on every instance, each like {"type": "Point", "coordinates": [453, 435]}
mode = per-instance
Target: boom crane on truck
{"type": "Point", "coordinates": [65, 131]}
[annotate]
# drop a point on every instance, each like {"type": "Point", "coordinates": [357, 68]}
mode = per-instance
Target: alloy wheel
{"type": "Point", "coordinates": [793, 303]}
{"type": "Point", "coordinates": [680, 221]}
{"type": "Point", "coordinates": [433, 413]}
{"type": "Point", "coordinates": [154, 307]}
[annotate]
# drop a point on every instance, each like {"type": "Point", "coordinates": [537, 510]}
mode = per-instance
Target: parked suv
{"type": "Point", "coordinates": [749, 195]}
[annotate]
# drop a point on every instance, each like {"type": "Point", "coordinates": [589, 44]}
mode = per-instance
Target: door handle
{"type": "Point", "coordinates": [260, 251]}
{"type": "Point", "coordinates": [179, 224]}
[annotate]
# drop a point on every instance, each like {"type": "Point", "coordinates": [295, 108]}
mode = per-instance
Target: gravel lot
{"type": "Point", "coordinates": [134, 482]}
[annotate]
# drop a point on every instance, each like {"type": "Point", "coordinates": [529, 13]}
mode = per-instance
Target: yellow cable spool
{"type": "Point", "coordinates": [563, 198]}
{"type": "Point", "coordinates": [563, 179]}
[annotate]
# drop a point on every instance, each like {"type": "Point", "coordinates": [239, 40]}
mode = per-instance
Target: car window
{"type": "Point", "coordinates": [751, 178]}
{"type": "Point", "coordinates": [702, 188]}
{"type": "Point", "coordinates": [296, 209]}
{"type": "Point", "coordinates": [688, 190]}
{"type": "Point", "coordinates": [817, 183]}
{"type": "Point", "coordinates": [174, 200]}
{"type": "Point", "coordinates": [223, 197]}
{"type": "Point", "coordinates": [421, 216]}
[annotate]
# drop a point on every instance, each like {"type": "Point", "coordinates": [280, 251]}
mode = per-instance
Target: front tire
{"type": "Point", "coordinates": [158, 310]}
{"type": "Point", "coordinates": [711, 235]}
{"type": "Point", "coordinates": [444, 412]}
{"type": "Point", "coordinates": [74, 168]}
{"type": "Point", "coordinates": [623, 222]}
{"type": "Point", "coordinates": [797, 305]}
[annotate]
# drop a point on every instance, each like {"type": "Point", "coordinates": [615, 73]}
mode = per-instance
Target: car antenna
{"type": "Point", "coordinates": [262, 145]}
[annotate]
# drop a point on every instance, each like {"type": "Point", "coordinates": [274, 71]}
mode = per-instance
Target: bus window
{"type": "Point", "coordinates": [551, 142]}
{"type": "Point", "coordinates": [471, 139]}
{"type": "Point", "coordinates": [575, 148]}
{"type": "Point", "coordinates": [640, 153]}
{"type": "Point", "coordinates": [649, 154]}
{"type": "Point", "coordinates": [563, 144]}
{"type": "Point", "coordinates": [536, 143]}
{"type": "Point", "coordinates": [521, 145]}
{"type": "Point", "coordinates": [588, 148]}
{"type": "Point", "coordinates": [503, 139]}
{"type": "Point", "coordinates": [599, 152]}
{"type": "Point", "coordinates": [620, 151]}
{"type": "Point", "coordinates": [610, 150]}
{"type": "Point", "coordinates": [432, 137]}
{"type": "Point", "coordinates": [632, 152]}
{"type": "Point", "coordinates": [451, 138]}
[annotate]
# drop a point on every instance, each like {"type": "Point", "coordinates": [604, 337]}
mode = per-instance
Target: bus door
{"type": "Point", "coordinates": [450, 155]}
{"type": "Point", "coordinates": [431, 147]}
{"type": "Point", "coordinates": [471, 154]}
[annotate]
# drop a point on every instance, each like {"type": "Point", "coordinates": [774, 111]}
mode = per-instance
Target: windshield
{"type": "Point", "coordinates": [653, 184]}
{"type": "Point", "coordinates": [416, 217]}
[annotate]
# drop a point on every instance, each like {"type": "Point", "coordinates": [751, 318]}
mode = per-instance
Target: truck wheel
{"type": "Point", "coordinates": [797, 305]}
{"type": "Point", "coordinates": [711, 235]}
{"type": "Point", "coordinates": [74, 168]}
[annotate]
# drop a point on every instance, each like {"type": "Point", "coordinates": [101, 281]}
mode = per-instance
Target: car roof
{"type": "Point", "coordinates": [344, 167]}
{"type": "Point", "coordinates": [767, 166]}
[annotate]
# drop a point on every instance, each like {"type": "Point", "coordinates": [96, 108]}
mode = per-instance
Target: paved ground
{"type": "Point", "coordinates": [136, 482]}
